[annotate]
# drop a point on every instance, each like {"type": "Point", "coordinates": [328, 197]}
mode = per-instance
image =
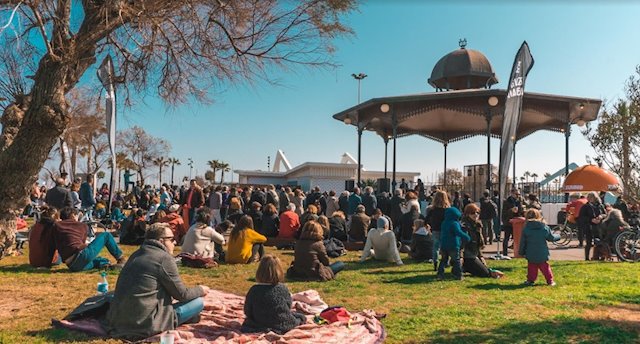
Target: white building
{"type": "Point", "coordinates": [326, 175]}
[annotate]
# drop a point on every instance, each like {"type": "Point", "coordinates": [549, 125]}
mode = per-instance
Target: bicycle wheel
{"type": "Point", "coordinates": [627, 246]}
{"type": "Point", "coordinates": [564, 233]}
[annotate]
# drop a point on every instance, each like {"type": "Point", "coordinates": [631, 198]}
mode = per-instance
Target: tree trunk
{"type": "Point", "coordinates": [74, 163]}
{"type": "Point", "coordinates": [21, 161]}
{"type": "Point", "coordinates": [222, 177]}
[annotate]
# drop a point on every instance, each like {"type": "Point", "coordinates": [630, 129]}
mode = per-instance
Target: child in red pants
{"type": "Point", "coordinates": [533, 245]}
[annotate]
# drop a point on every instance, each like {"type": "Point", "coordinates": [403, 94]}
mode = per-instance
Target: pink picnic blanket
{"type": "Point", "coordinates": [223, 316]}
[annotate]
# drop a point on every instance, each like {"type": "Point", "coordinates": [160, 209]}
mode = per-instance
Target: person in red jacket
{"type": "Point", "coordinates": [289, 223]}
{"type": "Point", "coordinates": [176, 222]}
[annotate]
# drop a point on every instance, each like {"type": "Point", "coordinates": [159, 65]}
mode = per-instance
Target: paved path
{"type": "Point", "coordinates": [571, 252]}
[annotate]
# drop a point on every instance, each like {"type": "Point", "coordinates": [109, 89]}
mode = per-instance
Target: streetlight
{"type": "Point", "coordinates": [359, 77]}
{"type": "Point", "coordinates": [190, 167]}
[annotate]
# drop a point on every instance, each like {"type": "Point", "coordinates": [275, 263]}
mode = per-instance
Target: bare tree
{"type": "Point", "coordinates": [182, 48]}
{"type": "Point", "coordinates": [142, 148]}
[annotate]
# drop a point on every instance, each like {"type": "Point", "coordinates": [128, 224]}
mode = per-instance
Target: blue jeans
{"type": "Point", "coordinates": [336, 267]}
{"type": "Point", "coordinates": [188, 309]}
{"type": "Point", "coordinates": [88, 259]}
{"type": "Point", "coordinates": [436, 247]}
{"type": "Point", "coordinates": [456, 269]}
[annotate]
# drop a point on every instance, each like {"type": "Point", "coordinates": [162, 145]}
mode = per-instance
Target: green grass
{"type": "Point", "coordinates": [593, 302]}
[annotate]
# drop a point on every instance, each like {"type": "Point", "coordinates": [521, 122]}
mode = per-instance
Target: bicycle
{"type": "Point", "coordinates": [567, 232]}
{"type": "Point", "coordinates": [627, 245]}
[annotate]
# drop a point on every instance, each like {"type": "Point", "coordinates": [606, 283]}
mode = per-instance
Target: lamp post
{"type": "Point", "coordinates": [359, 77]}
{"type": "Point", "coordinates": [385, 108]}
{"type": "Point", "coordinates": [567, 133]}
{"type": "Point", "coordinates": [190, 167]}
{"type": "Point", "coordinates": [493, 102]}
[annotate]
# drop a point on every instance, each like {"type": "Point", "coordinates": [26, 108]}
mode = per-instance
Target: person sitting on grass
{"type": "Point", "coordinates": [117, 216]}
{"type": "Point", "coordinates": [381, 244]}
{"type": "Point", "coordinates": [245, 244]}
{"type": "Point", "coordinates": [267, 306]}
{"type": "Point", "coordinates": [70, 236]}
{"type": "Point", "coordinates": [451, 235]}
{"type": "Point", "coordinates": [310, 256]}
{"type": "Point", "coordinates": [359, 225]}
{"type": "Point", "coordinates": [142, 304]}
{"type": "Point", "coordinates": [289, 223]}
{"type": "Point", "coordinates": [421, 242]}
{"type": "Point", "coordinates": [201, 239]}
{"type": "Point", "coordinates": [42, 249]}
{"type": "Point", "coordinates": [222, 228]}
{"type": "Point", "coordinates": [533, 246]}
{"type": "Point", "coordinates": [473, 261]}
{"type": "Point", "coordinates": [176, 222]}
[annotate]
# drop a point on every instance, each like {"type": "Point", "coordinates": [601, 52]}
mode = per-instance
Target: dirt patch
{"type": "Point", "coordinates": [10, 305]}
{"type": "Point", "coordinates": [624, 315]}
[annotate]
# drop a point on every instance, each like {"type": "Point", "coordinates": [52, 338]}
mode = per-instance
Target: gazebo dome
{"type": "Point", "coordinates": [463, 69]}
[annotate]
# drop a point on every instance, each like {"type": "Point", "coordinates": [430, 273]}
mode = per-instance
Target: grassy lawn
{"type": "Point", "coordinates": [593, 302]}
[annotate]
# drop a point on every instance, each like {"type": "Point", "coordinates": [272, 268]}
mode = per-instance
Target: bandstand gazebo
{"type": "Point", "coordinates": [463, 106]}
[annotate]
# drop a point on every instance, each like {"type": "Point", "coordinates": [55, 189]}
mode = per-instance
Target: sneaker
{"type": "Point", "coordinates": [552, 284]}
{"type": "Point", "coordinates": [529, 283]}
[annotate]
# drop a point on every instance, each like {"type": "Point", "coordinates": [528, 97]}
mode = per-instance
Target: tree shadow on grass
{"type": "Point", "coordinates": [562, 330]}
{"type": "Point", "coordinates": [418, 279]}
{"type": "Point", "coordinates": [30, 269]}
{"type": "Point", "coordinates": [57, 335]}
{"type": "Point", "coordinates": [494, 286]}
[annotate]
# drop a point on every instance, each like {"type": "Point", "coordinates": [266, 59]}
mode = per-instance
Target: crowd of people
{"type": "Point", "coordinates": [450, 231]}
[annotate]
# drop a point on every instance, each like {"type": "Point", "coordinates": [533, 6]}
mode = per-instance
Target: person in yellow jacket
{"type": "Point", "coordinates": [245, 244]}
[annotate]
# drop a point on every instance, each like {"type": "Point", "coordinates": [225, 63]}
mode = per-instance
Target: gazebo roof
{"type": "Point", "coordinates": [455, 115]}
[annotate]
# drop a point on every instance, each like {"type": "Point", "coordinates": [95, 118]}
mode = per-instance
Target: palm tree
{"type": "Point", "coordinates": [215, 165]}
{"type": "Point", "coordinates": [173, 162]}
{"type": "Point", "coordinates": [160, 162]}
{"type": "Point", "coordinates": [224, 167]}
{"type": "Point", "coordinates": [534, 176]}
{"type": "Point", "coordinates": [526, 175]}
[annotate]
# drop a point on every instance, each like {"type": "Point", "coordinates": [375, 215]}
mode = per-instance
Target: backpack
{"type": "Point", "coordinates": [335, 248]}
{"type": "Point", "coordinates": [602, 251]}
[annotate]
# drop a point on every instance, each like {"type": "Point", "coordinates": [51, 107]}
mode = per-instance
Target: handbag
{"type": "Point", "coordinates": [193, 261]}
{"type": "Point", "coordinates": [93, 307]}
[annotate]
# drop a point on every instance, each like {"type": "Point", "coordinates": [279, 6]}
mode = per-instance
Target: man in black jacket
{"type": "Point", "coordinates": [488, 211]}
{"type": "Point", "coordinates": [369, 201]}
{"type": "Point", "coordinates": [59, 196]}
{"type": "Point", "coordinates": [511, 207]}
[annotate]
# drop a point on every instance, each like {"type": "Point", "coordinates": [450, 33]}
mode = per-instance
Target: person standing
{"type": "Point", "coordinates": [354, 201]}
{"type": "Point", "coordinates": [87, 196]}
{"type": "Point", "coordinates": [369, 201]}
{"type": "Point", "coordinates": [142, 304]}
{"type": "Point", "coordinates": [573, 212]}
{"type": "Point", "coordinates": [127, 180]}
{"type": "Point", "coordinates": [533, 246]}
{"type": "Point", "coordinates": [590, 218]}
{"type": "Point", "coordinates": [435, 217]}
{"type": "Point", "coordinates": [59, 196]}
{"type": "Point", "coordinates": [451, 238]}
{"type": "Point", "coordinates": [215, 202]}
{"type": "Point", "coordinates": [193, 200]}
{"type": "Point", "coordinates": [511, 208]}
{"type": "Point", "coordinates": [488, 211]}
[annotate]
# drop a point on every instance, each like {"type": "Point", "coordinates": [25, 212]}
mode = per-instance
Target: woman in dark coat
{"type": "Point", "coordinates": [590, 218]}
{"type": "Point", "coordinates": [270, 221]}
{"type": "Point", "coordinates": [338, 226]}
{"type": "Point", "coordinates": [473, 261]}
{"type": "Point", "coordinates": [310, 256]}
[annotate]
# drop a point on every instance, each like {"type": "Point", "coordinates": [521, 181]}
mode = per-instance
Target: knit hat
{"type": "Point", "coordinates": [383, 222]}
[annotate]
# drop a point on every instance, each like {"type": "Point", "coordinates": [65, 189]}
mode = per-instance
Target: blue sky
{"type": "Point", "coordinates": [583, 49]}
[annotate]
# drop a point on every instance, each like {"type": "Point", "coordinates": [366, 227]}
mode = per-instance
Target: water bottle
{"type": "Point", "coordinates": [103, 285]}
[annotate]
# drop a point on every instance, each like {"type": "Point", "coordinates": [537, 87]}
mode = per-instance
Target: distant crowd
{"type": "Point", "coordinates": [428, 226]}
